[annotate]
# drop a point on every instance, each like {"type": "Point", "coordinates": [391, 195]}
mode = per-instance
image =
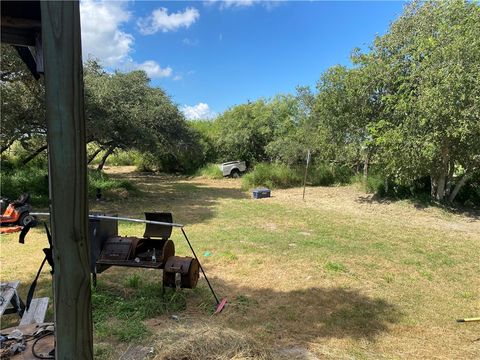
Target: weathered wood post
{"type": "Point", "coordinates": [61, 40]}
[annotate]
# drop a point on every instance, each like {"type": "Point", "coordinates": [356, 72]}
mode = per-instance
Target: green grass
{"type": "Point", "coordinates": [107, 184]}
{"type": "Point", "coordinates": [121, 313]}
{"type": "Point", "coordinates": [211, 171]}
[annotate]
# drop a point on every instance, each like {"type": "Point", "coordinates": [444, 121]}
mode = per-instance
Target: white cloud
{"type": "Point", "coordinates": [190, 42]}
{"type": "Point", "coordinates": [153, 69]}
{"type": "Point", "coordinates": [103, 38]}
{"type": "Point", "coordinates": [161, 20]}
{"type": "Point", "coordinates": [199, 111]}
{"type": "Point", "coordinates": [101, 33]}
{"type": "Point", "coordinates": [226, 4]}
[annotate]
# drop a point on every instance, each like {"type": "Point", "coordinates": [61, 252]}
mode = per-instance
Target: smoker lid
{"type": "Point", "coordinates": [158, 231]}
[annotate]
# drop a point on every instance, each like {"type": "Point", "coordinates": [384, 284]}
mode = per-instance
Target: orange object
{"type": "Point", "coordinates": [17, 213]}
{"type": "Point", "coordinates": [10, 229]}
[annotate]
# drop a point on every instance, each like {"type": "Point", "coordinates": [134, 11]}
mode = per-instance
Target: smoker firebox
{"type": "Point", "coordinates": [154, 250]}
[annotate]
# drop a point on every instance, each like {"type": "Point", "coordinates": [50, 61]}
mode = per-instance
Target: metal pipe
{"type": "Point", "coordinates": [122, 219]}
{"type": "Point", "coordinates": [201, 268]}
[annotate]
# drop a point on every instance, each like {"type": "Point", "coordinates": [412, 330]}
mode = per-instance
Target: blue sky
{"type": "Point", "coordinates": [210, 55]}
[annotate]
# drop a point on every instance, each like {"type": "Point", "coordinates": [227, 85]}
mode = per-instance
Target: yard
{"type": "Point", "coordinates": [339, 276]}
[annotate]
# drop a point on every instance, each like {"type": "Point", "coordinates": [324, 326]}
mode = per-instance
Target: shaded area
{"type": "Point", "coordinates": [421, 203]}
{"type": "Point", "coordinates": [191, 202]}
{"type": "Point", "coordinates": [309, 314]}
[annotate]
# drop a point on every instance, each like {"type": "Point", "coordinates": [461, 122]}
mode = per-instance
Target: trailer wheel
{"type": "Point", "coordinates": [235, 173]}
{"type": "Point", "coordinates": [26, 219]}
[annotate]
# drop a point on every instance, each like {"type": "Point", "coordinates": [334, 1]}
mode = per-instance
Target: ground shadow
{"type": "Point", "coordinates": [190, 202]}
{"type": "Point", "coordinates": [308, 314]}
{"type": "Point", "coordinates": [421, 204]}
{"type": "Point", "coordinates": [297, 317]}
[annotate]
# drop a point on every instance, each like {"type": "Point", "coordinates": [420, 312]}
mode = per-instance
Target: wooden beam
{"type": "Point", "coordinates": [15, 36]}
{"type": "Point", "coordinates": [16, 22]}
{"type": "Point", "coordinates": [67, 169]}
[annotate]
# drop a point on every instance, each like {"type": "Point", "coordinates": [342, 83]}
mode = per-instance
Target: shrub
{"type": "Point", "coordinates": [272, 176]}
{"type": "Point", "coordinates": [34, 180]}
{"type": "Point", "coordinates": [211, 171]}
{"type": "Point", "coordinates": [121, 157]}
{"type": "Point", "coordinates": [100, 180]}
{"type": "Point", "coordinates": [321, 175]}
{"type": "Point", "coordinates": [30, 180]}
{"type": "Point", "coordinates": [327, 175]}
{"type": "Point", "coordinates": [374, 184]}
{"type": "Point", "coordinates": [342, 174]}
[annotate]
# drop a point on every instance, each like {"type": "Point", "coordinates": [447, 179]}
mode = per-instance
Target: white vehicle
{"type": "Point", "coordinates": [233, 168]}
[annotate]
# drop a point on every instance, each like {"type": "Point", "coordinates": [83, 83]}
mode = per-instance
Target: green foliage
{"type": "Point", "coordinates": [374, 184]}
{"type": "Point", "coordinates": [33, 179]}
{"type": "Point", "coordinates": [122, 158]}
{"type": "Point", "coordinates": [208, 132]}
{"type": "Point", "coordinates": [281, 176]}
{"type": "Point", "coordinates": [211, 171]}
{"type": "Point", "coordinates": [328, 174]}
{"type": "Point", "coordinates": [100, 180]}
{"type": "Point", "coordinates": [410, 107]}
{"type": "Point", "coordinates": [425, 70]}
{"type": "Point", "coordinates": [272, 176]}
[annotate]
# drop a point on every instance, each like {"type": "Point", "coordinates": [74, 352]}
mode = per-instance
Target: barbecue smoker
{"type": "Point", "coordinates": [153, 251]}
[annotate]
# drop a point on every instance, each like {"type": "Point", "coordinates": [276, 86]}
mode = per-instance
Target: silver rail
{"type": "Point", "coordinates": [120, 218]}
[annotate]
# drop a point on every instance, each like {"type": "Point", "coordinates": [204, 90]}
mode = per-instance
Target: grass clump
{"type": "Point", "coordinates": [123, 158]}
{"type": "Point", "coordinates": [335, 267]}
{"type": "Point", "coordinates": [272, 176]}
{"type": "Point", "coordinates": [282, 176]}
{"type": "Point", "coordinates": [120, 313]}
{"type": "Point", "coordinates": [107, 184]}
{"type": "Point", "coordinates": [34, 181]}
{"type": "Point", "coordinates": [328, 174]}
{"type": "Point", "coordinates": [211, 171]}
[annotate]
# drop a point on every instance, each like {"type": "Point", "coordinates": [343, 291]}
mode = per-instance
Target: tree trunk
{"type": "Point", "coordinates": [433, 190]}
{"type": "Point", "coordinates": [441, 187]}
{"type": "Point", "coordinates": [458, 186]}
{"type": "Point", "coordinates": [449, 181]}
{"type": "Point", "coordinates": [34, 154]}
{"type": "Point", "coordinates": [94, 155]}
{"type": "Point", "coordinates": [104, 158]}
{"type": "Point", "coordinates": [365, 168]}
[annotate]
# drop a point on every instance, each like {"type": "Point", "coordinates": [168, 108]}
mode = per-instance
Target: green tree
{"type": "Point", "coordinates": [23, 105]}
{"type": "Point", "coordinates": [428, 65]}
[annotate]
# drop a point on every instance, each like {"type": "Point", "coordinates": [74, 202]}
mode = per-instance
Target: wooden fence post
{"type": "Point", "coordinates": [61, 41]}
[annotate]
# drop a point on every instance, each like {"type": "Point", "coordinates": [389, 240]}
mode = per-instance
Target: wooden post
{"type": "Point", "coordinates": [67, 169]}
{"type": "Point", "coordinates": [306, 171]}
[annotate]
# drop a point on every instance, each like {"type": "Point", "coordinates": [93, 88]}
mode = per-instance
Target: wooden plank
{"type": "Point", "coordinates": [21, 37]}
{"type": "Point", "coordinates": [36, 313]}
{"type": "Point", "coordinates": [68, 178]}
{"type": "Point", "coordinates": [7, 291]}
